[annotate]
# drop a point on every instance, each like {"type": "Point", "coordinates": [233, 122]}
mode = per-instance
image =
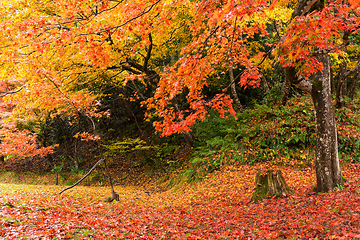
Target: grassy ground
{"type": "Point", "coordinates": [27, 178]}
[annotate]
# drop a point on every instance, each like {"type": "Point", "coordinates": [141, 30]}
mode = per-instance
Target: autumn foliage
{"type": "Point", "coordinates": [125, 40]}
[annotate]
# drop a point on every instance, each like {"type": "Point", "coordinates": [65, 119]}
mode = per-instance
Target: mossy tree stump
{"type": "Point", "coordinates": [269, 184]}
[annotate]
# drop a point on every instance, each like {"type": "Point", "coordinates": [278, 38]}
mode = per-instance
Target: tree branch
{"type": "Point", "coordinates": [123, 24]}
{"type": "Point", "coordinates": [240, 74]}
{"type": "Point", "coordinates": [129, 69]}
{"type": "Point", "coordinates": [352, 71]}
{"type": "Point", "coordinates": [303, 8]}
{"type": "Point", "coordinates": [12, 92]}
{"type": "Point", "coordinates": [92, 169]}
{"type": "Point", "coordinates": [148, 54]}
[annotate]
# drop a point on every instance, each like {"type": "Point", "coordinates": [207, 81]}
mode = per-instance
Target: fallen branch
{"type": "Point", "coordinates": [92, 169]}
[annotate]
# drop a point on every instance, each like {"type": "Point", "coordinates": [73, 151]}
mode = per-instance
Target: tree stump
{"type": "Point", "coordinates": [270, 184]}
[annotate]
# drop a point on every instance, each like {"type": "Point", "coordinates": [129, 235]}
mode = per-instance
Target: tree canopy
{"type": "Point", "coordinates": [61, 57]}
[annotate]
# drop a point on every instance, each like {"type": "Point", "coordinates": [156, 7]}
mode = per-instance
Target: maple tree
{"type": "Point", "coordinates": [125, 41]}
{"type": "Point", "coordinates": [327, 162]}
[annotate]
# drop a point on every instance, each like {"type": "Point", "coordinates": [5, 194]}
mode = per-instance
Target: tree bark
{"type": "Point", "coordinates": [265, 83]}
{"type": "Point", "coordinates": [339, 98]}
{"type": "Point", "coordinates": [269, 184]}
{"type": "Point", "coordinates": [353, 85]}
{"type": "Point", "coordinates": [238, 104]}
{"type": "Point", "coordinates": [332, 81]}
{"type": "Point", "coordinates": [328, 173]}
{"type": "Point", "coordinates": [286, 91]}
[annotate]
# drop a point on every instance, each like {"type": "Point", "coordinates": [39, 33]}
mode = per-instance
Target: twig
{"type": "Point", "coordinates": [12, 92]}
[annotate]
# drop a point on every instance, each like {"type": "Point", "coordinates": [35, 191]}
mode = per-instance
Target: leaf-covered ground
{"type": "Point", "coordinates": [216, 208]}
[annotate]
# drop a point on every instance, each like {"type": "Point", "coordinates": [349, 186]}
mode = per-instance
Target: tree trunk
{"type": "Point", "coordinates": [269, 184]}
{"type": "Point", "coordinates": [265, 83]}
{"type": "Point", "coordinates": [344, 89]}
{"type": "Point", "coordinates": [189, 137]}
{"type": "Point", "coordinates": [353, 85]}
{"type": "Point", "coordinates": [340, 86]}
{"type": "Point", "coordinates": [286, 90]}
{"type": "Point", "coordinates": [328, 173]}
{"type": "Point", "coordinates": [332, 81]}
{"type": "Point", "coordinates": [238, 104]}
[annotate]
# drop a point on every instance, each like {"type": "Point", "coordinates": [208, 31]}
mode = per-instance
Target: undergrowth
{"type": "Point", "coordinates": [282, 135]}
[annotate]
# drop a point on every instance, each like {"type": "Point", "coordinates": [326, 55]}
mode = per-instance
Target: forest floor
{"type": "Point", "coordinates": [121, 168]}
{"type": "Point", "coordinates": [217, 207]}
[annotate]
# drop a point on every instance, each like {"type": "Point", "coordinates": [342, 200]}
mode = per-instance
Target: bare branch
{"type": "Point", "coordinates": [129, 69]}
{"type": "Point", "coordinates": [92, 169]}
{"type": "Point", "coordinates": [12, 92]}
{"type": "Point", "coordinates": [171, 37]}
{"type": "Point", "coordinates": [146, 10]}
{"type": "Point", "coordinates": [148, 54]}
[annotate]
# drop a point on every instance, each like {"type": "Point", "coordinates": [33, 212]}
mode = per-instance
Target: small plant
{"type": "Point", "coordinates": [338, 187]}
{"type": "Point", "coordinates": [162, 153]}
{"type": "Point", "coordinates": [57, 170]}
{"type": "Point", "coordinates": [124, 145]}
{"type": "Point", "coordinates": [69, 183]}
{"type": "Point", "coordinates": [274, 95]}
{"type": "Point", "coordinates": [76, 170]}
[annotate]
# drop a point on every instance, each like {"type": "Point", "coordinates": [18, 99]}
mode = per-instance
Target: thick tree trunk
{"type": "Point", "coordinates": [328, 173]}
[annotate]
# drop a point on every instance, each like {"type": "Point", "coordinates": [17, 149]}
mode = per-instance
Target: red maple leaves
{"type": "Point", "coordinates": [217, 207]}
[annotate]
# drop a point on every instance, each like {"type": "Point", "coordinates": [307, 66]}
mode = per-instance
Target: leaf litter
{"type": "Point", "coordinates": [217, 207]}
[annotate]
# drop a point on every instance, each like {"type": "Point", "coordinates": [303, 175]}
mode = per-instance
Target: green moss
{"type": "Point", "coordinates": [269, 184]}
